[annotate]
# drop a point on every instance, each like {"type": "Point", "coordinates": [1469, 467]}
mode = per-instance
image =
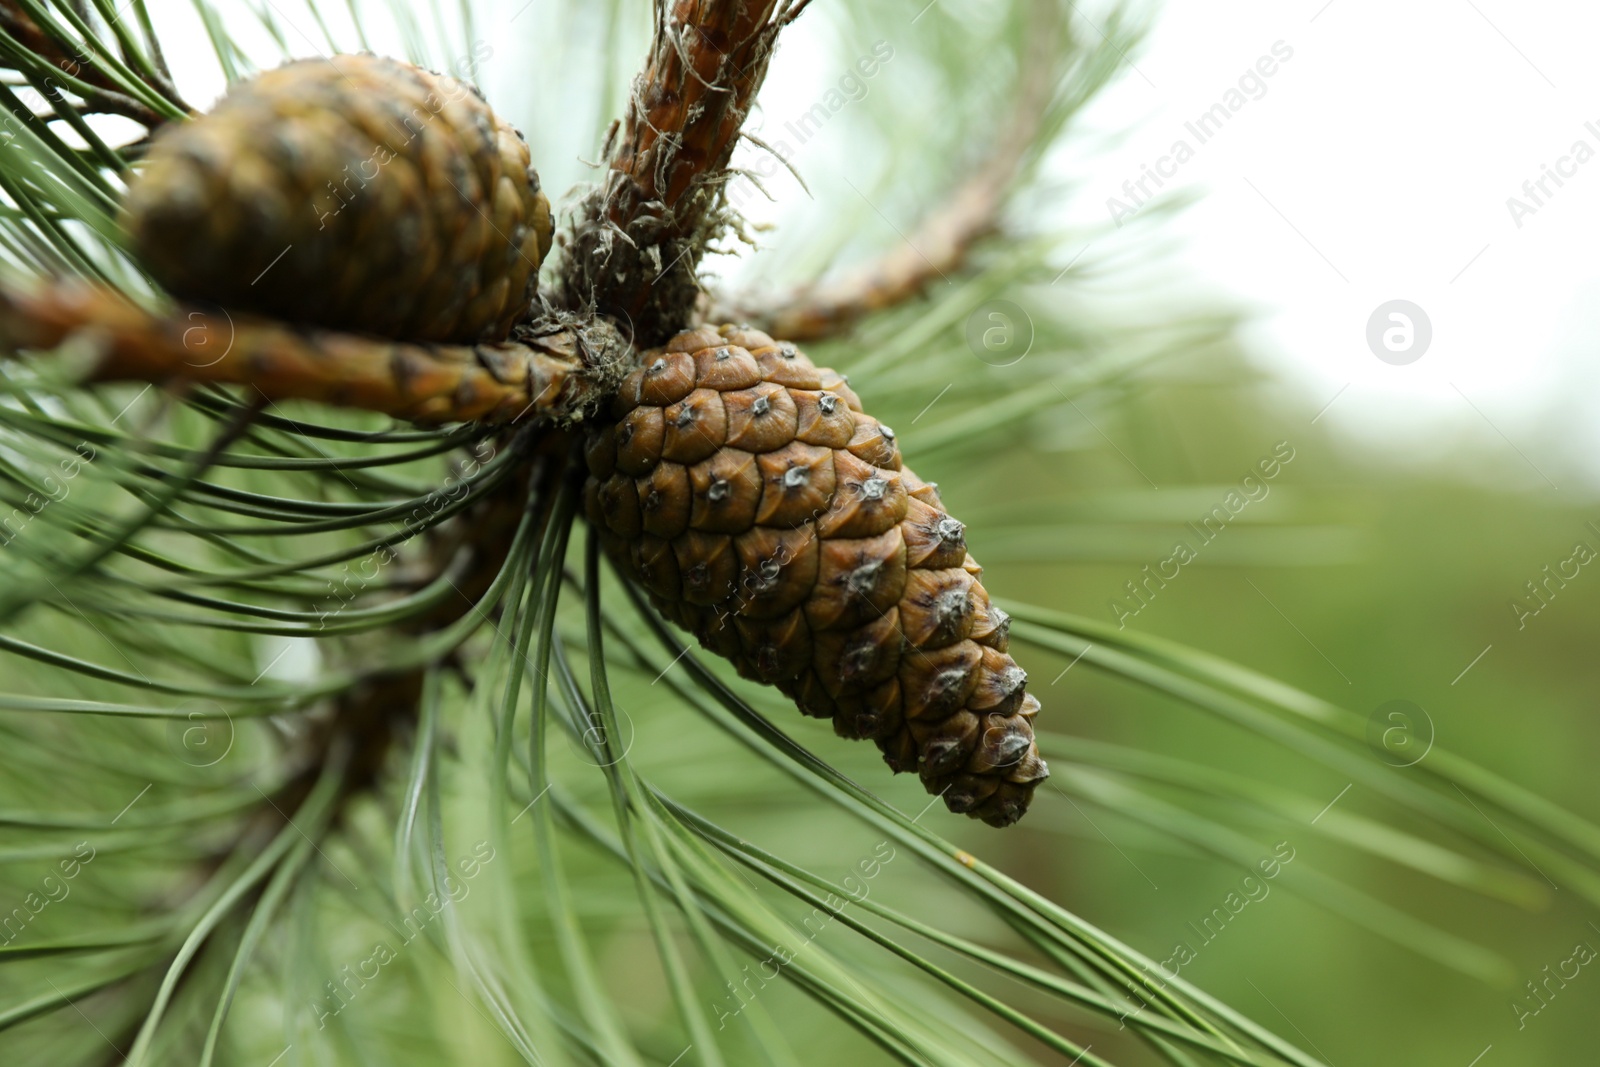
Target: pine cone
{"type": "Point", "coordinates": [357, 193]}
{"type": "Point", "coordinates": [746, 491]}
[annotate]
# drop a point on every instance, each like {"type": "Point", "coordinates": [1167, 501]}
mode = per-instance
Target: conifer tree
{"type": "Point", "coordinates": [347, 712]}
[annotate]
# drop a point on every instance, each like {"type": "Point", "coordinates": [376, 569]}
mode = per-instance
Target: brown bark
{"type": "Point", "coordinates": [555, 375]}
{"type": "Point", "coordinates": [641, 232]}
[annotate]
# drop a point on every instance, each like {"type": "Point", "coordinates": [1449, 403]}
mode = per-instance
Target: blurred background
{"type": "Point", "coordinates": [1403, 553]}
{"type": "Point", "coordinates": [1392, 559]}
{"type": "Point", "coordinates": [1374, 164]}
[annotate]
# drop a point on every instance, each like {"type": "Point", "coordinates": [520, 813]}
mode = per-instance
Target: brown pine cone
{"type": "Point", "coordinates": [357, 193]}
{"type": "Point", "coordinates": [746, 491]}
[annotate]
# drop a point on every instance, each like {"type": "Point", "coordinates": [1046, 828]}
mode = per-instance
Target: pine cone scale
{"type": "Point", "coordinates": [356, 193]}
{"type": "Point", "coordinates": [761, 509]}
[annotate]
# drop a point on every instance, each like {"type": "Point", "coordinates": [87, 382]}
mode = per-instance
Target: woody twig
{"type": "Point", "coordinates": [553, 375]}
{"type": "Point", "coordinates": [946, 236]}
{"type": "Point", "coordinates": [641, 232]}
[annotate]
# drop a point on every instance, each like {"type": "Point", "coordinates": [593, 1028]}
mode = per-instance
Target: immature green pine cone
{"type": "Point", "coordinates": [763, 511]}
{"type": "Point", "coordinates": [354, 192]}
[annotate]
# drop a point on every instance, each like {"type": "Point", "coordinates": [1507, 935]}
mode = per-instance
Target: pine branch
{"type": "Point", "coordinates": [553, 373]}
{"type": "Point", "coordinates": [641, 232]}
{"type": "Point", "coordinates": [71, 59]}
{"type": "Point", "coordinates": [661, 198]}
{"type": "Point", "coordinates": [647, 225]}
{"type": "Point", "coordinates": [947, 234]}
